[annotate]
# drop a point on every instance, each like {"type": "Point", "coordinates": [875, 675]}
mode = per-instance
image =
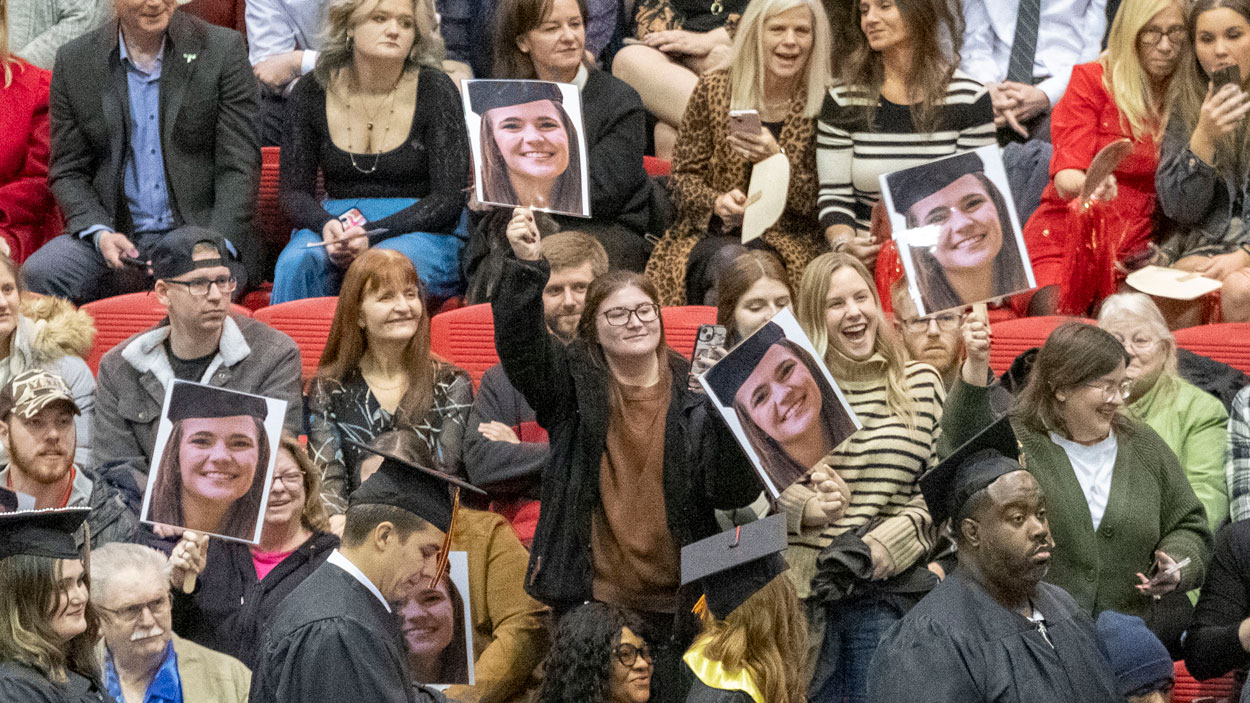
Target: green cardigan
{"type": "Point", "coordinates": [1195, 425]}
{"type": "Point", "coordinates": [1151, 506]}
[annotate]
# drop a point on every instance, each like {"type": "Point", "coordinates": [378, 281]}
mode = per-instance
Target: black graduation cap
{"type": "Point", "coordinates": [992, 453]}
{"type": "Point", "coordinates": [728, 375]}
{"type": "Point", "coordinates": [41, 533]}
{"type": "Point", "coordinates": [422, 491]}
{"type": "Point", "coordinates": [909, 186]}
{"type": "Point", "coordinates": [734, 565]}
{"type": "Point", "coordinates": [488, 95]}
{"type": "Point", "coordinates": [197, 400]}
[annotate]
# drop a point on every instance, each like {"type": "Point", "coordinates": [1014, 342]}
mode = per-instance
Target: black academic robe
{"type": "Point", "coordinates": [703, 693]}
{"type": "Point", "coordinates": [959, 644]}
{"type": "Point", "coordinates": [332, 641]}
{"type": "Point", "coordinates": [22, 684]}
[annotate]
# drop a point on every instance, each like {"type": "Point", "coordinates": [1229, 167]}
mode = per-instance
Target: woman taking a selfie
{"type": "Point", "coordinates": [899, 100]}
{"type": "Point", "coordinates": [779, 72]}
{"type": "Point", "coordinates": [383, 124]}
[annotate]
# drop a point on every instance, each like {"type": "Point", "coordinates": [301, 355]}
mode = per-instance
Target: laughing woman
{"type": "Point", "coordinates": [866, 486]}
{"type": "Point", "coordinates": [780, 69]}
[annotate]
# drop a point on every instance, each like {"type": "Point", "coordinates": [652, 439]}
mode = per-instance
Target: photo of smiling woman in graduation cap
{"type": "Point", "coordinates": [789, 412]}
{"type": "Point", "coordinates": [961, 236]}
{"type": "Point", "coordinates": [528, 150]}
{"type": "Point", "coordinates": [215, 467]}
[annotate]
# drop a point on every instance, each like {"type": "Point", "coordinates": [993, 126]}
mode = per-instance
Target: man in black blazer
{"type": "Point", "coordinates": [153, 127]}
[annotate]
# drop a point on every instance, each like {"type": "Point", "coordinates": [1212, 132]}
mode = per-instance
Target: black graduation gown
{"type": "Point", "coordinates": [703, 693]}
{"type": "Point", "coordinates": [332, 641]}
{"type": "Point", "coordinates": [230, 606]}
{"type": "Point", "coordinates": [959, 644]}
{"type": "Point", "coordinates": [22, 684]}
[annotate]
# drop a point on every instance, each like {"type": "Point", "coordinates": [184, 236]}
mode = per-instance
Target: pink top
{"type": "Point", "coordinates": [265, 561]}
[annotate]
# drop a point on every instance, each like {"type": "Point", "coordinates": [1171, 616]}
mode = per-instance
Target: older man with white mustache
{"type": "Point", "coordinates": [144, 662]}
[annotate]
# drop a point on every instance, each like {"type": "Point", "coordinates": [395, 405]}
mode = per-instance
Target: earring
{"type": "Point", "coordinates": [351, 42]}
{"type": "Point", "coordinates": [1061, 398]}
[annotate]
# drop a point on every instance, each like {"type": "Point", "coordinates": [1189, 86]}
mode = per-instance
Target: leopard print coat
{"type": "Point", "coordinates": [705, 166]}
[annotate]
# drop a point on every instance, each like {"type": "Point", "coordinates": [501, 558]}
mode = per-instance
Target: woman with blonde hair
{"type": "Point", "coordinates": [867, 487]}
{"type": "Point", "coordinates": [1122, 95]}
{"type": "Point", "coordinates": [240, 585]}
{"type": "Point", "coordinates": [25, 199]}
{"type": "Point", "coordinates": [383, 125]}
{"type": "Point", "coordinates": [1191, 421]}
{"type": "Point", "coordinates": [377, 373]}
{"type": "Point", "coordinates": [780, 69]}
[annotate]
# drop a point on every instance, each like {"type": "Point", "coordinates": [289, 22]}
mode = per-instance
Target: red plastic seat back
{"type": "Point", "coordinates": [1010, 338]}
{"type": "Point", "coordinates": [119, 317]}
{"type": "Point", "coordinates": [1189, 689]}
{"type": "Point", "coordinates": [307, 322]}
{"type": "Point", "coordinates": [1224, 341]}
{"type": "Point", "coordinates": [656, 167]}
{"type": "Point", "coordinates": [272, 225]}
{"type": "Point", "coordinates": [466, 337]}
{"type": "Point", "coordinates": [681, 325]}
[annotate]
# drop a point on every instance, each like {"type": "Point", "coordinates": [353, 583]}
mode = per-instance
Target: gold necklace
{"type": "Point", "coordinates": [369, 120]}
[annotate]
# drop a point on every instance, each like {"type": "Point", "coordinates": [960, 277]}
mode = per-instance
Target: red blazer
{"type": "Point", "coordinates": [28, 214]}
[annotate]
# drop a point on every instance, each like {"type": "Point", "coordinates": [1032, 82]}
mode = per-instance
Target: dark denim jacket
{"type": "Point", "coordinates": [1209, 212]}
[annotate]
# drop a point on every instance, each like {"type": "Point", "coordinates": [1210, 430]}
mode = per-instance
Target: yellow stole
{"type": "Point", "coordinates": [714, 675]}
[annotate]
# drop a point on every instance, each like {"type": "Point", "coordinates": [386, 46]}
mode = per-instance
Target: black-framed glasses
{"type": "Point", "coordinates": [199, 286]}
{"type": "Point", "coordinates": [946, 321]}
{"type": "Point", "coordinates": [627, 654]}
{"type": "Point", "coordinates": [1150, 37]}
{"type": "Point", "coordinates": [619, 317]}
{"type": "Point", "coordinates": [1111, 390]}
{"type": "Point", "coordinates": [291, 479]}
{"type": "Point", "coordinates": [132, 613]}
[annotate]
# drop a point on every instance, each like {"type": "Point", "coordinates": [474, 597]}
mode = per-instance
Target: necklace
{"type": "Point", "coordinates": [370, 118]}
{"type": "Point", "coordinates": [717, 7]}
{"type": "Point", "coordinates": [371, 379]}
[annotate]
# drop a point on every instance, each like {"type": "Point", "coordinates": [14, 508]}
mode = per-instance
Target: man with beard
{"type": "Point", "coordinates": [992, 631]}
{"type": "Point", "coordinates": [505, 451]}
{"type": "Point", "coordinates": [143, 661]}
{"type": "Point", "coordinates": [199, 341]}
{"type": "Point", "coordinates": [37, 412]}
{"type": "Point", "coordinates": [935, 340]}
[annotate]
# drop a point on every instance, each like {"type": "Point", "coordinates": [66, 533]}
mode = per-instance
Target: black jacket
{"type": "Point", "coordinates": [22, 684]}
{"type": "Point", "coordinates": [568, 387]}
{"type": "Point", "coordinates": [230, 607]}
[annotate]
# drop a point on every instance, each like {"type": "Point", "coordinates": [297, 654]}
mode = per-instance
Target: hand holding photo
{"type": "Point", "coordinates": [529, 147]}
{"type": "Point", "coordinates": [780, 401]}
{"type": "Point", "coordinates": [216, 450]}
{"type": "Point", "coordinates": [956, 231]}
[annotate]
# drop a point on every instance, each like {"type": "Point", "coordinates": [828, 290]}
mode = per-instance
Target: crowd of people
{"type": "Point", "coordinates": [1066, 531]}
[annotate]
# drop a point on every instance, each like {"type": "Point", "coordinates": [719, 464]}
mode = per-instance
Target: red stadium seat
{"type": "Point", "coordinates": [272, 225]}
{"type": "Point", "coordinates": [306, 321]}
{"type": "Point", "coordinates": [657, 167]}
{"type": "Point", "coordinates": [1188, 689]}
{"type": "Point", "coordinates": [466, 337]}
{"type": "Point", "coordinates": [119, 317]}
{"type": "Point", "coordinates": [224, 13]}
{"type": "Point", "coordinates": [681, 325]}
{"type": "Point", "coordinates": [1010, 338]}
{"type": "Point", "coordinates": [1224, 341]}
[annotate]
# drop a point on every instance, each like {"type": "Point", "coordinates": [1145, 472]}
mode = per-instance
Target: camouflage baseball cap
{"type": "Point", "coordinates": [32, 391]}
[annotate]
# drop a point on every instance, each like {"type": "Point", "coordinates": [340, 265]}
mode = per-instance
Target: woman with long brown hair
{"type": "Point", "coordinates": [628, 439]}
{"type": "Point", "coordinates": [899, 100]}
{"type": "Point", "coordinates": [752, 290]}
{"type": "Point", "coordinates": [48, 626]}
{"type": "Point", "coordinates": [377, 374]}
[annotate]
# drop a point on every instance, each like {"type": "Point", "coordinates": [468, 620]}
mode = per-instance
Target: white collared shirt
{"type": "Point", "coordinates": [345, 564]}
{"type": "Point", "coordinates": [1093, 466]}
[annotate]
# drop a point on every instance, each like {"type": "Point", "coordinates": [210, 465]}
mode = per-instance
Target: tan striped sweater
{"type": "Point", "coordinates": [881, 465]}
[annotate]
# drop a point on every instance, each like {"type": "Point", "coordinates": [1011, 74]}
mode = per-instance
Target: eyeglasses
{"type": "Point", "coordinates": [1138, 343]}
{"type": "Point", "coordinates": [291, 479]}
{"type": "Point", "coordinates": [1110, 391]}
{"type": "Point", "coordinates": [199, 286]}
{"type": "Point", "coordinates": [619, 317]}
{"type": "Point", "coordinates": [946, 322]}
{"type": "Point", "coordinates": [627, 654]}
{"type": "Point", "coordinates": [1150, 37]}
{"type": "Point", "coordinates": [132, 613]}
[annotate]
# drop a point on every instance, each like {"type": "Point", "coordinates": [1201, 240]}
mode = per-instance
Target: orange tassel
{"type": "Point", "coordinates": [700, 606]}
{"type": "Point", "coordinates": [444, 552]}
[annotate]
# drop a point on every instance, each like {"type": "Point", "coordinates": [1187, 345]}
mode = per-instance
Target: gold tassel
{"type": "Point", "coordinates": [700, 606]}
{"type": "Point", "coordinates": [444, 553]}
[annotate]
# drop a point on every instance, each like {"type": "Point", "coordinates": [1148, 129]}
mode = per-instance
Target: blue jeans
{"type": "Point", "coordinates": [852, 632]}
{"type": "Point", "coordinates": [302, 272]}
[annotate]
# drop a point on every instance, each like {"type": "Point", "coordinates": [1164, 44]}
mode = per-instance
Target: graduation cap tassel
{"type": "Point", "coordinates": [444, 553]}
{"type": "Point", "coordinates": [700, 607]}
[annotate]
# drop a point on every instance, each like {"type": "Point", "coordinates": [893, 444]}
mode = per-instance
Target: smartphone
{"type": "Point", "coordinates": [134, 263]}
{"type": "Point", "coordinates": [353, 218]}
{"type": "Point", "coordinates": [1228, 74]}
{"type": "Point", "coordinates": [708, 339]}
{"type": "Point", "coordinates": [744, 122]}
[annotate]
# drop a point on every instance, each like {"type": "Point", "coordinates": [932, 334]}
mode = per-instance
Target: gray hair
{"type": "Point", "coordinates": [1138, 307]}
{"type": "Point", "coordinates": [116, 557]}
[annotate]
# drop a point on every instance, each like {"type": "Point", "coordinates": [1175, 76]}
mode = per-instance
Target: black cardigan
{"type": "Point", "coordinates": [1212, 647]}
{"type": "Point", "coordinates": [230, 607]}
{"type": "Point", "coordinates": [568, 387]}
